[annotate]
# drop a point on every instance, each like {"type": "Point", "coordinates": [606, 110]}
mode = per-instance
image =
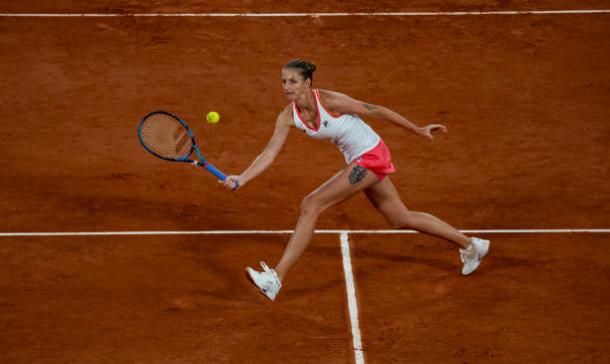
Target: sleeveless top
{"type": "Point", "coordinates": [348, 132]}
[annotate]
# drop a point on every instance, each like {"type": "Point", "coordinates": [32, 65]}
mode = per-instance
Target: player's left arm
{"type": "Point", "coordinates": [343, 104]}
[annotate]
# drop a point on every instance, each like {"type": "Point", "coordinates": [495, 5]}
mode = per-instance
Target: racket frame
{"type": "Point", "coordinates": [185, 159]}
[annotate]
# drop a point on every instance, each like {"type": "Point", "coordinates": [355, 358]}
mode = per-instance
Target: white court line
{"type": "Point", "coordinates": [322, 231]}
{"type": "Point", "coordinates": [351, 299]}
{"type": "Point", "coordinates": [283, 15]}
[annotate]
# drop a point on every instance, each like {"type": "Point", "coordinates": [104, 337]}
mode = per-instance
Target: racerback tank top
{"type": "Point", "coordinates": [348, 132]}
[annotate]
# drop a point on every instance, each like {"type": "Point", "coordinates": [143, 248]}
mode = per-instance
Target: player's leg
{"type": "Point", "coordinates": [340, 187]}
{"type": "Point", "coordinates": [385, 198]}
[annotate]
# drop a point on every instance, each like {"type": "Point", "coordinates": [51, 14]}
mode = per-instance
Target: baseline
{"type": "Point", "coordinates": [321, 231]}
{"type": "Point", "coordinates": [340, 14]}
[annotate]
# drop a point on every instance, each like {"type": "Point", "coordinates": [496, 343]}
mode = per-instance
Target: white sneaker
{"type": "Point", "coordinates": [267, 280]}
{"type": "Point", "coordinates": [472, 256]}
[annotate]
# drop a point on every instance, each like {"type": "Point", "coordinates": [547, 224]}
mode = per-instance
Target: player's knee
{"type": "Point", "coordinates": [405, 221]}
{"type": "Point", "coordinates": [399, 224]}
{"type": "Point", "coordinates": [310, 206]}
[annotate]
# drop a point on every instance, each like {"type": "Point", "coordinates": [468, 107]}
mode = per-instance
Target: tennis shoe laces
{"type": "Point", "coordinates": [267, 281]}
{"type": "Point", "coordinates": [473, 255]}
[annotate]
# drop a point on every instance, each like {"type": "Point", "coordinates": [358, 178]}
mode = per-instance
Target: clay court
{"type": "Point", "coordinates": [108, 255]}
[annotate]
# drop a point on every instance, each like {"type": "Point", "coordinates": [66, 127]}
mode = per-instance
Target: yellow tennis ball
{"type": "Point", "coordinates": [213, 117]}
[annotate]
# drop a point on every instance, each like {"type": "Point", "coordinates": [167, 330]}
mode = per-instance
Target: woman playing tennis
{"type": "Point", "coordinates": [331, 115]}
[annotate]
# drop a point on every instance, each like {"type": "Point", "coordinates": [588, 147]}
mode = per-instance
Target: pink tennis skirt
{"type": "Point", "coordinates": [377, 160]}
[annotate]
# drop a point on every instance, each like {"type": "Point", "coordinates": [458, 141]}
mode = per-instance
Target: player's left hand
{"type": "Point", "coordinates": [427, 130]}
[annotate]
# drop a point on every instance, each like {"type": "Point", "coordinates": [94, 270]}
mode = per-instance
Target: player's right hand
{"type": "Point", "coordinates": [232, 182]}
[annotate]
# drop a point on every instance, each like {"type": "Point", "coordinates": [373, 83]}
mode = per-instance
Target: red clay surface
{"type": "Point", "coordinates": [525, 99]}
{"type": "Point", "coordinates": [167, 300]}
{"type": "Point", "coordinates": [539, 299]}
{"type": "Point", "coordinates": [261, 6]}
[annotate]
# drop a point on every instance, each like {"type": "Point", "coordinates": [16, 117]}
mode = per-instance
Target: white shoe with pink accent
{"type": "Point", "coordinates": [267, 281]}
{"type": "Point", "coordinates": [473, 255]}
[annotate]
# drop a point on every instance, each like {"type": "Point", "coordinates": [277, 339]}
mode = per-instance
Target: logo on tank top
{"type": "Point", "coordinates": [325, 123]}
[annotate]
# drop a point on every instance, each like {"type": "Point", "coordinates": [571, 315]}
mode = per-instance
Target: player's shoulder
{"type": "Point", "coordinates": [285, 116]}
{"type": "Point", "coordinates": [328, 95]}
{"type": "Point", "coordinates": [286, 112]}
{"type": "Point", "coordinates": [330, 98]}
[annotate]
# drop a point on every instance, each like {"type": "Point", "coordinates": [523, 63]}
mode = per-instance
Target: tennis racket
{"type": "Point", "coordinates": [166, 136]}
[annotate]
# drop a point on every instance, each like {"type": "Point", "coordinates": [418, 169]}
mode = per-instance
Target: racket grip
{"type": "Point", "coordinates": [221, 176]}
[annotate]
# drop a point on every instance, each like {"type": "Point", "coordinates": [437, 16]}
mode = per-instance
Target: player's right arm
{"type": "Point", "coordinates": [283, 124]}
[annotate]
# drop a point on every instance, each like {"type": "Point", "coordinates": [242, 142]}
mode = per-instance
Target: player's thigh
{"type": "Point", "coordinates": [386, 199]}
{"type": "Point", "coordinates": [347, 182]}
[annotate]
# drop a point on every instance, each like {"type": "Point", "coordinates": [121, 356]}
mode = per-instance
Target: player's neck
{"type": "Point", "coordinates": [306, 101]}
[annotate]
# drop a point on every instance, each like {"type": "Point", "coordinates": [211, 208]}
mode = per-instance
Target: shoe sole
{"type": "Point", "coordinates": [247, 273]}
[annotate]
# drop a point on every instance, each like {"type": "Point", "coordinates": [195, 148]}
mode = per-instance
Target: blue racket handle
{"type": "Point", "coordinates": [221, 176]}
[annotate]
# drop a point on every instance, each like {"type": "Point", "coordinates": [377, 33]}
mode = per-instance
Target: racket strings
{"type": "Point", "coordinates": [165, 136]}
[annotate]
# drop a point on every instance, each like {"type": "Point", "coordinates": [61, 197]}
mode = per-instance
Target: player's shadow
{"type": "Point", "coordinates": [395, 258]}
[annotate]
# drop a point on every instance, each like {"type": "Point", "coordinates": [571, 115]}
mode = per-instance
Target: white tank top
{"type": "Point", "coordinates": [349, 133]}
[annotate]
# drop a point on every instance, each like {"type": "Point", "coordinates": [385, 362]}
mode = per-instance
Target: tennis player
{"type": "Point", "coordinates": [337, 117]}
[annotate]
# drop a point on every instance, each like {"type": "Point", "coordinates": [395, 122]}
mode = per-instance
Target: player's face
{"type": "Point", "coordinates": [293, 84]}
